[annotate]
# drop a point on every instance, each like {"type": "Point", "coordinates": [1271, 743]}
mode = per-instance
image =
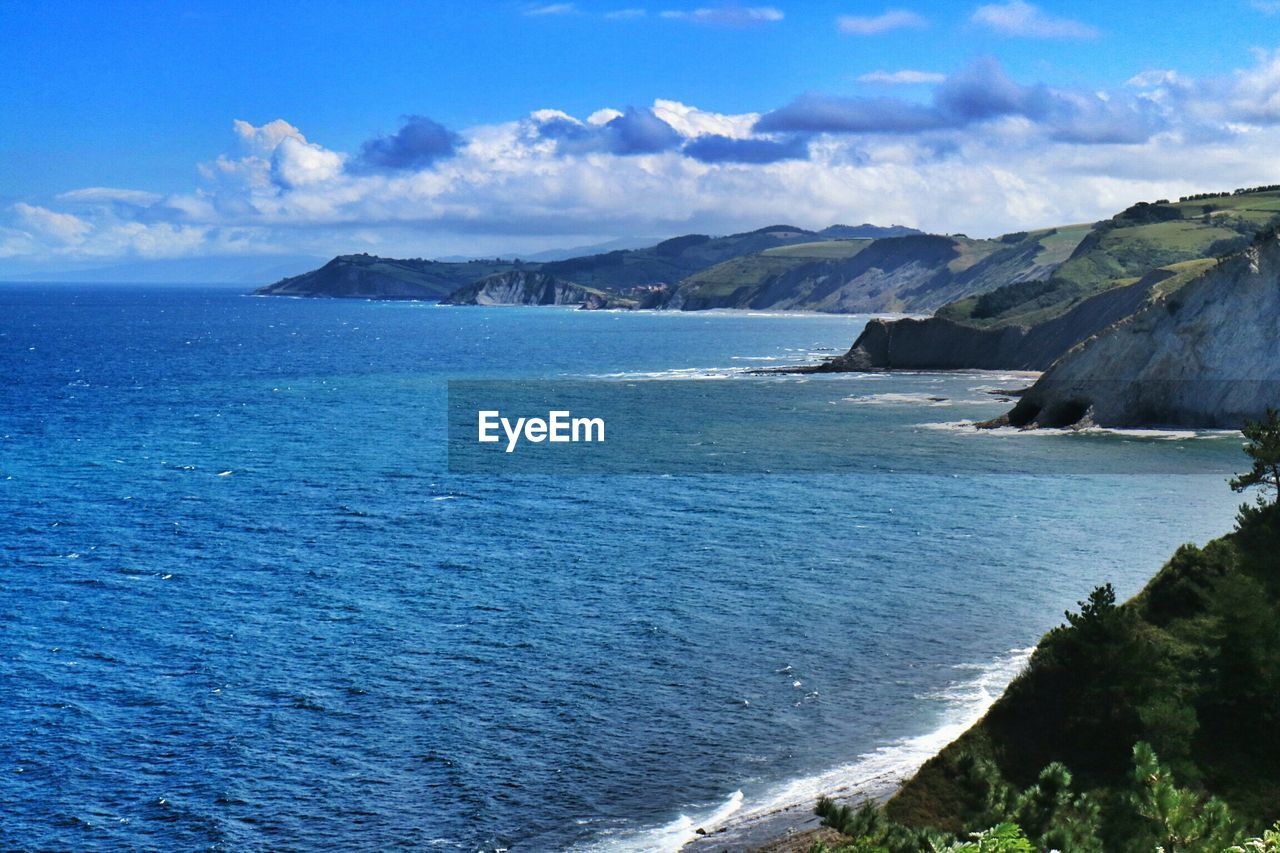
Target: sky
{"type": "Point", "coordinates": [137, 131]}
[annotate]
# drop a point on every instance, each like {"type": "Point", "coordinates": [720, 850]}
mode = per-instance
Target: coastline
{"type": "Point", "coordinates": [786, 822]}
{"type": "Point", "coordinates": [794, 827]}
{"type": "Point", "coordinates": [780, 818]}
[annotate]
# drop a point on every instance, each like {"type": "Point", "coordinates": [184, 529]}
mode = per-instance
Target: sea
{"type": "Point", "coordinates": [246, 603]}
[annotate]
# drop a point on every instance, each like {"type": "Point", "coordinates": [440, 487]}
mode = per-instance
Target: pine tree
{"type": "Point", "coordinates": [1176, 818]}
{"type": "Point", "coordinates": [1263, 447]}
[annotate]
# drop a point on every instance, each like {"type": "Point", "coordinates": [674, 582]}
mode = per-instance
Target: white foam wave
{"type": "Point", "coordinates": [1045, 432]}
{"type": "Point", "coordinates": [1162, 434]}
{"type": "Point", "coordinates": [674, 373]}
{"type": "Point", "coordinates": [899, 399]}
{"type": "Point", "coordinates": [875, 774]}
{"type": "Point", "coordinates": [669, 837]}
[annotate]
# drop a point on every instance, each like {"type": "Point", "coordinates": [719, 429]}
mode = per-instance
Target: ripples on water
{"type": "Point", "coordinates": [244, 604]}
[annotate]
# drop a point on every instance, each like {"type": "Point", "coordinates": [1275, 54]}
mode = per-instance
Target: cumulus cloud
{"type": "Point", "coordinates": [727, 16]}
{"type": "Point", "coordinates": [833, 114]}
{"type": "Point", "coordinates": [979, 152]}
{"type": "Point", "coordinates": [893, 19]}
{"type": "Point", "coordinates": [264, 139]}
{"type": "Point", "coordinates": [635, 131]}
{"type": "Point", "coordinates": [979, 93]}
{"type": "Point", "coordinates": [296, 163]}
{"type": "Point", "coordinates": [1021, 19]}
{"type": "Point", "coordinates": [724, 149]}
{"type": "Point", "coordinates": [906, 76]}
{"type": "Point", "coordinates": [691, 121]}
{"type": "Point", "coordinates": [419, 143]}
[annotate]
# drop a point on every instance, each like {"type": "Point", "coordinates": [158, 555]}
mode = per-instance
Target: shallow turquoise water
{"type": "Point", "coordinates": [245, 605]}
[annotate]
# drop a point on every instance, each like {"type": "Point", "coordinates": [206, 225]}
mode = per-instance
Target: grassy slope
{"type": "Point", "coordinates": [824, 249]}
{"type": "Point", "coordinates": [673, 260]}
{"type": "Point", "coordinates": [1191, 665]}
{"type": "Point", "coordinates": [754, 271]}
{"type": "Point", "coordinates": [1120, 251]}
{"type": "Point", "coordinates": [832, 275]}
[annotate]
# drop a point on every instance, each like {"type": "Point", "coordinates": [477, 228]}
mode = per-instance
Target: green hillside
{"type": "Point", "coordinates": [1150, 723]}
{"type": "Point", "coordinates": [915, 273]}
{"type": "Point", "coordinates": [671, 261]}
{"type": "Point", "coordinates": [1123, 249]}
{"type": "Point", "coordinates": [371, 277]}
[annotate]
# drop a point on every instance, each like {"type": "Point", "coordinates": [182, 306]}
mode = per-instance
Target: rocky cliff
{"type": "Point", "coordinates": [1017, 317]}
{"type": "Point", "coordinates": [1206, 355]}
{"type": "Point", "coordinates": [523, 287]}
{"type": "Point", "coordinates": [937, 343]}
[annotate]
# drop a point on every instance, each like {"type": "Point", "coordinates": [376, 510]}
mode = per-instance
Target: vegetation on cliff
{"type": "Point", "coordinates": [1140, 726]}
{"type": "Point", "coordinates": [1121, 250]}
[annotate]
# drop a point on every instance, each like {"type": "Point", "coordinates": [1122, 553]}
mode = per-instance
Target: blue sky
{"type": "Point", "coordinates": [141, 98]}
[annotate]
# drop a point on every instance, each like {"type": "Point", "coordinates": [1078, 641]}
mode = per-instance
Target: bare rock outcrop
{"type": "Point", "coordinates": [1206, 356]}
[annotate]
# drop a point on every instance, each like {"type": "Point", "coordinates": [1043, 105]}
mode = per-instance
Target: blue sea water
{"type": "Point", "coordinates": [244, 604]}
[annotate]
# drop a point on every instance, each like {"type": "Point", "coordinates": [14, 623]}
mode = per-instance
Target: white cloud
{"type": "Point", "coordinates": [108, 195]}
{"type": "Point", "coordinates": [508, 188]}
{"type": "Point", "coordinates": [598, 118]}
{"type": "Point", "coordinates": [625, 14]}
{"type": "Point", "coordinates": [727, 16]}
{"type": "Point", "coordinates": [62, 227]}
{"type": "Point", "coordinates": [1256, 95]}
{"type": "Point", "coordinates": [297, 164]}
{"type": "Point", "coordinates": [893, 19]}
{"type": "Point", "coordinates": [264, 139]}
{"type": "Point", "coordinates": [692, 122]}
{"type": "Point", "coordinates": [551, 9]}
{"type": "Point", "coordinates": [1019, 18]}
{"type": "Point", "coordinates": [906, 76]}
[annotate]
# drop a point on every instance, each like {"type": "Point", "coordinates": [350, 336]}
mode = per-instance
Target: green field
{"type": "Point", "coordinates": [824, 249]}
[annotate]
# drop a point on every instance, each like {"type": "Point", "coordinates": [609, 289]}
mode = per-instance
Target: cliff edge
{"type": "Point", "coordinates": [521, 287]}
{"type": "Point", "coordinates": [1206, 355]}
